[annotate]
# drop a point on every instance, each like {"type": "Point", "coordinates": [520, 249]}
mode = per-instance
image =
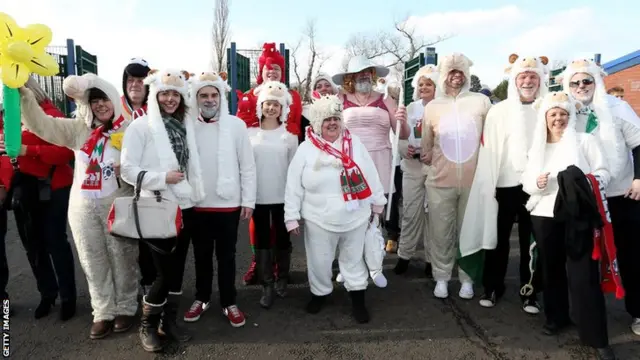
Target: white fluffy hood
{"type": "Point", "coordinates": [77, 88]}
{"type": "Point", "coordinates": [518, 65]}
{"type": "Point", "coordinates": [197, 82]}
{"type": "Point", "coordinates": [455, 61]}
{"type": "Point", "coordinates": [428, 72]}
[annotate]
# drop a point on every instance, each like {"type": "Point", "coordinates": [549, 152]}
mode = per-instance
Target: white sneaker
{"type": "Point", "coordinates": [531, 307]}
{"type": "Point", "coordinates": [466, 291]}
{"type": "Point", "coordinates": [441, 291]}
{"type": "Point", "coordinates": [635, 326]}
{"type": "Point", "coordinates": [380, 280]}
{"type": "Point", "coordinates": [340, 278]}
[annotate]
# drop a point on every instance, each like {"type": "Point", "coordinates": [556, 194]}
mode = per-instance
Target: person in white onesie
{"type": "Point", "coordinates": [333, 185]}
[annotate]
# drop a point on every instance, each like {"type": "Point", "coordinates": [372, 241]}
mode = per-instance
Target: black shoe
{"type": "Point", "coordinates": [67, 309]}
{"type": "Point", "coordinates": [428, 270]}
{"type": "Point", "coordinates": [266, 300]}
{"type": "Point", "coordinates": [488, 300]}
{"type": "Point", "coordinates": [149, 322]}
{"type": "Point", "coordinates": [316, 304]}
{"type": "Point", "coordinates": [552, 328]}
{"type": "Point", "coordinates": [44, 308]}
{"type": "Point", "coordinates": [359, 310]}
{"type": "Point", "coordinates": [401, 266]}
{"type": "Point", "coordinates": [283, 259]}
{"type": "Point", "coordinates": [606, 353]}
{"type": "Point", "coordinates": [170, 325]}
{"type": "Point", "coordinates": [531, 307]}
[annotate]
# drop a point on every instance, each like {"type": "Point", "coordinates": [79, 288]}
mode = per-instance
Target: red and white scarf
{"type": "Point", "coordinates": [354, 185]}
{"type": "Point", "coordinates": [604, 248]}
{"type": "Point", "coordinates": [94, 149]}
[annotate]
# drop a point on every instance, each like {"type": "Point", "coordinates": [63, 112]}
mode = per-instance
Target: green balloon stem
{"type": "Point", "coordinates": [12, 121]}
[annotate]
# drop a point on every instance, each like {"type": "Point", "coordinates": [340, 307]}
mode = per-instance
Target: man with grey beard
{"type": "Point", "coordinates": [617, 126]}
{"type": "Point", "coordinates": [229, 178]}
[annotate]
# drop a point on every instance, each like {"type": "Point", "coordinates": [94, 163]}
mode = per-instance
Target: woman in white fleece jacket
{"type": "Point", "coordinates": [333, 184]}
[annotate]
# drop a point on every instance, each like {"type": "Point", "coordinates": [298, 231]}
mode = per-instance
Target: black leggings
{"type": "Point", "coordinates": [170, 267]}
{"type": "Point", "coordinates": [264, 216]}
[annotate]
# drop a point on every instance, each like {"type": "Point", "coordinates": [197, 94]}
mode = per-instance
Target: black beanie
{"type": "Point", "coordinates": [137, 67]}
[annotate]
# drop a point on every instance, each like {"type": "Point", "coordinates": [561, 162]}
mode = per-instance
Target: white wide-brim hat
{"type": "Point", "coordinates": [357, 64]}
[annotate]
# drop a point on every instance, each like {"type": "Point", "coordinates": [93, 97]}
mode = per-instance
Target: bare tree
{"type": "Point", "coordinates": [397, 47]}
{"type": "Point", "coordinates": [220, 35]}
{"type": "Point", "coordinates": [314, 63]}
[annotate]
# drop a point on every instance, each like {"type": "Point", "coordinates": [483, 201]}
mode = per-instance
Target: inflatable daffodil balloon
{"type": "Point", "coordinates": [22, 52]}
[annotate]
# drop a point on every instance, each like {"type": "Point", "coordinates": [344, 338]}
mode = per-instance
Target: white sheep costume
{"type": "Point", "coordinates": [109, 264]}
{"type": "Point", "coordinates": [326, 107]}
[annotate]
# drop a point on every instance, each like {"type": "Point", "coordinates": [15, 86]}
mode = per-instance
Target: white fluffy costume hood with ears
{"type": "Point", "coordinates": [78, 87]}
{"type": "Point", "coordinates": [518, 131]}
{"type": "Point", "coordinates": [326, 77]}
{"type": "Point", "coordinates": [225, 184]}
{"type": "Point", "coordinates": [568, 144]}
{"type": "Point", "coordinates": [273, 90]}
{"type": "Point", "coordinates": [212, 78]}
{"type": "Point", "coordinates": [166, 80]}
{"type": "Point", "coordinates": [455, 61]}
{"type": "Point", "coordinates": [614, 145]}
{"type": "Point", "coordinates": [323, 108]}
{"type": "Point", "coordinates": [428, 72]}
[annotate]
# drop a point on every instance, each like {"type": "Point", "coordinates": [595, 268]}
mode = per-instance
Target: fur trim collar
{"type": "Point", "coordinates": [77, 88]}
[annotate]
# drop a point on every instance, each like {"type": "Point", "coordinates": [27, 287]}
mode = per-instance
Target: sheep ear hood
{"type": "Point", "coordinates": [78, 88]}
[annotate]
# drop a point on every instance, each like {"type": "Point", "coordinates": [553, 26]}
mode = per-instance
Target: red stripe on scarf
{"type": "Point", "coordinates": [354, 184]}
{"type": "Point", "coordinates": [604, 248]}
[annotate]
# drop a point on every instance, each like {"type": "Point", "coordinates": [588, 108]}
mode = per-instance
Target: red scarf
{"type": "Point", "coordinates": [94, 148]}
{"type": "Point", "coordinates": [352, 180]}
{"type": "Point", "coordinates": [604, 249]}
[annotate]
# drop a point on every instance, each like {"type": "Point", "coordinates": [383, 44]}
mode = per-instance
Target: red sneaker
{"type": "Point", "coordinates": [197, 309]}
{"type": "Point", "coordinates": [250, 278]}
{"type": "Point", "coordinates": [235, 316]}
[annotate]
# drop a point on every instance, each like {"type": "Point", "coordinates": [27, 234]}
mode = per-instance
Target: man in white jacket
{"type": "Point", "coordinates": [333, 184]}
{"type": "Point", "coordinates": [496, 196]}
{"type": "Point", "coordinates": [618, 127]}
{"type": "Point", "coordinates": [229, 178]}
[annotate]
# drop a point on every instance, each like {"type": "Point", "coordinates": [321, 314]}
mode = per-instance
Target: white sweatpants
{"type": "Point", "coordinates": [446, 211]}
{"type": "Point", "coordinates": [109, 264]}
{"type": "Point", "coordinates": [414, 218]}
{"type": "Point", "coordinates": [320, 248]}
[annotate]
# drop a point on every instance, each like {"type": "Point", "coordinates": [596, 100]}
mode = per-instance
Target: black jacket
{"type": "Point", "coordinates": [576, 206]}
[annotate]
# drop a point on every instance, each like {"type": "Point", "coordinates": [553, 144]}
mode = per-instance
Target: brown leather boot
{"type": "Point", "coordinates": [149, 321]}
{"type": "Point", "coordinates": [101, 329]}
{"type": "Point", "coordinates": [122, 323]}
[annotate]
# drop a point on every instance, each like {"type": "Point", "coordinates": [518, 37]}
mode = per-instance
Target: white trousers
{"type": "Point", "coordinates": [415, 225]}
{"type": "Point", "coordinates": [320, 248]}
{"type": "Point", "coordinates": [446, 211]}
{"type": "Point", "coordinates": [109, 264]}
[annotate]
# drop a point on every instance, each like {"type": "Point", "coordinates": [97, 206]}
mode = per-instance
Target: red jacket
{"type": "Point", "coordinates": [40, 157]}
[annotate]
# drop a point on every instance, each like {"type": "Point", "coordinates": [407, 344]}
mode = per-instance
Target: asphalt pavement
{"type": "Point", "coordinates": [407, 322]}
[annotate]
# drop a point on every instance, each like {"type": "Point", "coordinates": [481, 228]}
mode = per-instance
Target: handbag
{"type": "Point", "coordinates": [145, 218]}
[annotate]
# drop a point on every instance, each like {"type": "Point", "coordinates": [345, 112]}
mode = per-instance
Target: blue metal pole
{"type": "Point", "coordinates": [71, 68]}
{"type": "Point", "coordinates": [234, 78]}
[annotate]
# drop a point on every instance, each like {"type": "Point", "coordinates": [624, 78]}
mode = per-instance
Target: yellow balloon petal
{"type": "Point", "coordinates": [14, 75]}
{"type": "Point", "coordinates": [44, 64]}
{"type": "Point", "coordinates": [38, 36]}
{"type": "Point", "coordinates": [7, 27]}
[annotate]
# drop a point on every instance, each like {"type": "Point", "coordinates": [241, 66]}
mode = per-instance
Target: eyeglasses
{"type": "Point", "coordinates": [583, 81]}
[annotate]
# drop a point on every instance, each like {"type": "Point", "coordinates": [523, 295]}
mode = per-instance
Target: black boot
{"type": "Point", "coordinates": [170, 325]}
{"type": "Point", "coordinates": [401, 266]}
{"type": "Point", "coordinates": [316, 304]}
{"type": "Point", "coordinates": [283, 259]}
{"type": "Point", "coordinates": [67, 309]}
{"type": "Point", "coordinates": [149, 322]}
{"type": "Point", "coordinates": [44, 307]}
{"type": "Point", "coordinates": [358, 309]}
{"type": "Point", "coordinates": [264, 258]}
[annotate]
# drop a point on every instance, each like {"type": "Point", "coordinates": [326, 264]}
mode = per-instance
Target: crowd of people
{"type": "Point", "coordinates": [564, 165]}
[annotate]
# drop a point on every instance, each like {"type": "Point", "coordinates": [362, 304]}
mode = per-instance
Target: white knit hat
{"type": "Point", "coordinates": [429, 72]}
{"type": "Point", "coordinates": [274, 90]}
{"type": "Point", "coordinates": [212, 78]}
{"type": "Point", "coordinates": [567, 154]}
{"type": "Point", "coordinates": [614, 146]}
{"type": "Point", "coordinates": [322, 108]}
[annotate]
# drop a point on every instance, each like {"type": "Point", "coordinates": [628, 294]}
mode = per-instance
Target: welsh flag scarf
{"type": "Point", "coordinates": [94, 148]}
{"type": "Point", "coordinates": [352, 180]}
{"type": "Point", "coordinates": [604, 248]}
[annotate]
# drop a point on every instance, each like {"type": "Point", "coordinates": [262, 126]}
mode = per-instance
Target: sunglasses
{"type": "Point", "coordinates": [583, 81]}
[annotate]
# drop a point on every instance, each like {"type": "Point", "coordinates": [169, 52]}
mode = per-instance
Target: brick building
{"type": "Point", "coordinates": [625, 73]}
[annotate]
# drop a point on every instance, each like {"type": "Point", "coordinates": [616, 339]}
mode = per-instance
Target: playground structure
{"type": "Point", "coordinates": [73, 60]}
{"type": "Point", "coordinates": [242, 68]}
